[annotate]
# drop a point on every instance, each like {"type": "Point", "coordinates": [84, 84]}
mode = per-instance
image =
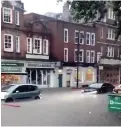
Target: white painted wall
{"type": "Point", "coordinates": [54, 78]}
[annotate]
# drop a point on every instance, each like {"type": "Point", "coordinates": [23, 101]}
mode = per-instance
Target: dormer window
{"type": "Point", "coordinates": [7, 15]}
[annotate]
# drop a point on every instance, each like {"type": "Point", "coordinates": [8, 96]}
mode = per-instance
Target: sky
{"type": "Point", "coordinates": [42, 6]}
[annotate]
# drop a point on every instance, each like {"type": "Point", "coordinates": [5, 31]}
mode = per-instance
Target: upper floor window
{"type": "Point", "coordinates": [17, 17]}
{"type": "Point", "coordinates": [8, 43]}
{"type": "Point", "coordinates": [45, 46]}
{"type": "Point", "coordinates": [93, 39]}
{"type": "Point", "coordinates": [88, 56]}
{"type": "Point", "coordinates": [65, 54]}
{"type": "Point", "coordinates": [110, 52]}
{"type": "Point", "coordinates": [76, 37]}
{"type": "Point", "coordinates": [37, 48]}
{"type": "Point", "coordinates": [119, 38]}
{"type": "Point", "coordinates": [92, 56]}
{"type": "Point", "coordinates": [81, 37]}
{"type": "Point", "coordinates": [79, 55]}
{"type": "Point", "coordinates": [17, 44]}
{"type": "Point", "coordinates": [7, 15]}
{"type": "Point", "coordinates": [99, 54]}
{"type": "Point", "coordinates": [87, 38]}
{"type": "Point", "coordinates": [111, 34]}
{"type": "Point", "coordinates": [66, 35]}
{"type": "Point", "coordinates": [29, 45]}
{"type": "Point", "coordinates": [101, 32]}
{"type": "Point", "coordinates": [111, 14]}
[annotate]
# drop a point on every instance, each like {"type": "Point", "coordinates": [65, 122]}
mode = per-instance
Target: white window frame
{"type": "Point", "coordinates": [110, 51]}
{"type": "Point", "coordinates": [75, 37]}
{"type": "Point", "coordinates": [47, 46]}
{"type": "Point", "coordinates": [118, 52]}
{"type": "Point", "coordinates": [29, 45]}
{"type": "Point", "coordinates": [8, 49]}
{"type": "Point", "coordinates": [81, 33]}
{"type": "Point", "coordinates": [87, 57]}
{"type": "Point", "coordinates": [92, 58]}
{"type": "Point", "coordinates": [35, 51]}
{"type": "Point", "coordinates": [75, 56]}
{"type": "Point", "coordinates": [102, 32]}
{"type": "Point", "coordinates": [65, 55]}
{"type": "Point", "coordinates": [17, 20]}
{"type": "Point", "coordinates": [111, 14]}
{"type": "Point", "coordinates": [65, 31]}
{"type": "Point", "coordinates": [17, 44]}
{"type": "Point", "coordinates": [99, 55]}
{"type": "Point", "coordinates": [10, 15]}
{"type": "Point", "coordinates": [81, 50]}
{"type": "Point", "coordinates": [92, 40]}
{"type": "Point", "coordinates": [111, 34]}
{"type": "Point", "coordinates": [88, 33]}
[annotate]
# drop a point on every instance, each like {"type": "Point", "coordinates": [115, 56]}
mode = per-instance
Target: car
{"type": "Point", "coordinates": [98, 88]}
{"type": "Point", "coordinates": [117, 89]}
{"type": "Point", "coordinates": [13, 92]}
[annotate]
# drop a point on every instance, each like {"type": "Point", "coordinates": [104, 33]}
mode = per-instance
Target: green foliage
{"type": "Point", "coordinates": [88, 10]}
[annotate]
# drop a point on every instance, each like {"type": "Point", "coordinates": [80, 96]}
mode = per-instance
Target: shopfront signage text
{"type": "Point", "coordinates": [43, 65]}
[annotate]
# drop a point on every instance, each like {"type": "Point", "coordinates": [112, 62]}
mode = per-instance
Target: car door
{"type": "Point", "coordinates": [33, 91]}
{"type": "Point", "coordinates": [21, 92]}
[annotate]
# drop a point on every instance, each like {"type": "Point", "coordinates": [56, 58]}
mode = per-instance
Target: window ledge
{"type": "Point", "coordinates": [7, 22]}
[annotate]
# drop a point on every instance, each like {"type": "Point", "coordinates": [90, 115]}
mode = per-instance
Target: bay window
{"type": "Point", "coordinates": [37, 46]}
{"type": "Point", "coordinates": [45, 47]}
{"type": "Point", "coordinates": [29, 45]}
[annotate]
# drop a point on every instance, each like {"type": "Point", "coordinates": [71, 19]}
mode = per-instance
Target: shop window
{"type": "Point", "coordinates": [89, 75]}
{"type": "Point", "coordinates": [68, 79]}
{"type": "Point", "coordinates": [79, 76]}
{"type": "Point", "coordinates": [9, 78]}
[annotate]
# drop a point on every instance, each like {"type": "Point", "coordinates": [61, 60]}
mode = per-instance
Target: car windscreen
{"type": "Point", "coordinates": [96, 85]}
{"type": "Point", "coordinates": [6, 88]}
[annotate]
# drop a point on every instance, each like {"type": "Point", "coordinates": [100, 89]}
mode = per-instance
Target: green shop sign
{"type": "Point", "coordinates": [12, 64]}
{"type": "Point", "coordinates": [11, 67]}
{"type": "Point", "coordinates": [114, 103]}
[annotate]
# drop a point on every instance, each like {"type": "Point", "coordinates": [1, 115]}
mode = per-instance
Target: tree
{"type": "Point", "coordinates": [88, 10]}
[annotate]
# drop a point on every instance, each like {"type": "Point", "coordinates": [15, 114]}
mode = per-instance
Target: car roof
{"type": "Point", "coordinates": [23, 84]}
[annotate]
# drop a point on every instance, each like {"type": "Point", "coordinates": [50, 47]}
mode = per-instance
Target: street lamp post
{"type": "Point", "coordinates": [78, 47]}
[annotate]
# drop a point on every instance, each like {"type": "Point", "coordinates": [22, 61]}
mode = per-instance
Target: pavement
{"type": "Point", "coordinates": [60, 107]}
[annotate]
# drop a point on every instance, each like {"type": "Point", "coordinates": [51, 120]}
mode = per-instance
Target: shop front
{"type": "Point", "coordinates": [86, 75]}
{"type": "Point", "coordinates": [12, 72]}
{"type": "Point", "coordinates": [42, 73]}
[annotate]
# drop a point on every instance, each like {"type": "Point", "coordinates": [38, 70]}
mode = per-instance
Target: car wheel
{"type": "Point", "coordinates": [9, 100]}
{"type": "Point", "coordinates": [37, 97]}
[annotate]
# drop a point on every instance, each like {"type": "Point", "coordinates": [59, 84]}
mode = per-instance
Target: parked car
{"type": "Point", "coordinates": [117, 89]}
{"type": "Point", "coordinates": [98, 88]}
{"type": "Point", "coordinates": [14, 92]}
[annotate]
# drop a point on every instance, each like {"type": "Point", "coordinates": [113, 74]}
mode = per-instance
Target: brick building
{"type": "Point", "coordinates": [33, 46]}
{"type": "Point", "coordinates": [25, 48]}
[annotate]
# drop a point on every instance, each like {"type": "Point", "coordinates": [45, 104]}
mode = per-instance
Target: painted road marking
{"type": "Point", "coordinates": [12, 105]}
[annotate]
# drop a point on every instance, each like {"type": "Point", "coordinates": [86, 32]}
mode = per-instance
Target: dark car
{"type": "Point", "coordinates": [98, 88]}
{"type": "Point", "coordinates": [14, 92]}
{"type": "Point", "coordinates": [117, 89]}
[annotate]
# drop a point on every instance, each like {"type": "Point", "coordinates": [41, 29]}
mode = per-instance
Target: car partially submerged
{"type": "Point", "coordinates": [117, 89]}
{"type": "Point", "coordinates": [98, 88]}
{"type": "Point", "coordinates": [14, 92]}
